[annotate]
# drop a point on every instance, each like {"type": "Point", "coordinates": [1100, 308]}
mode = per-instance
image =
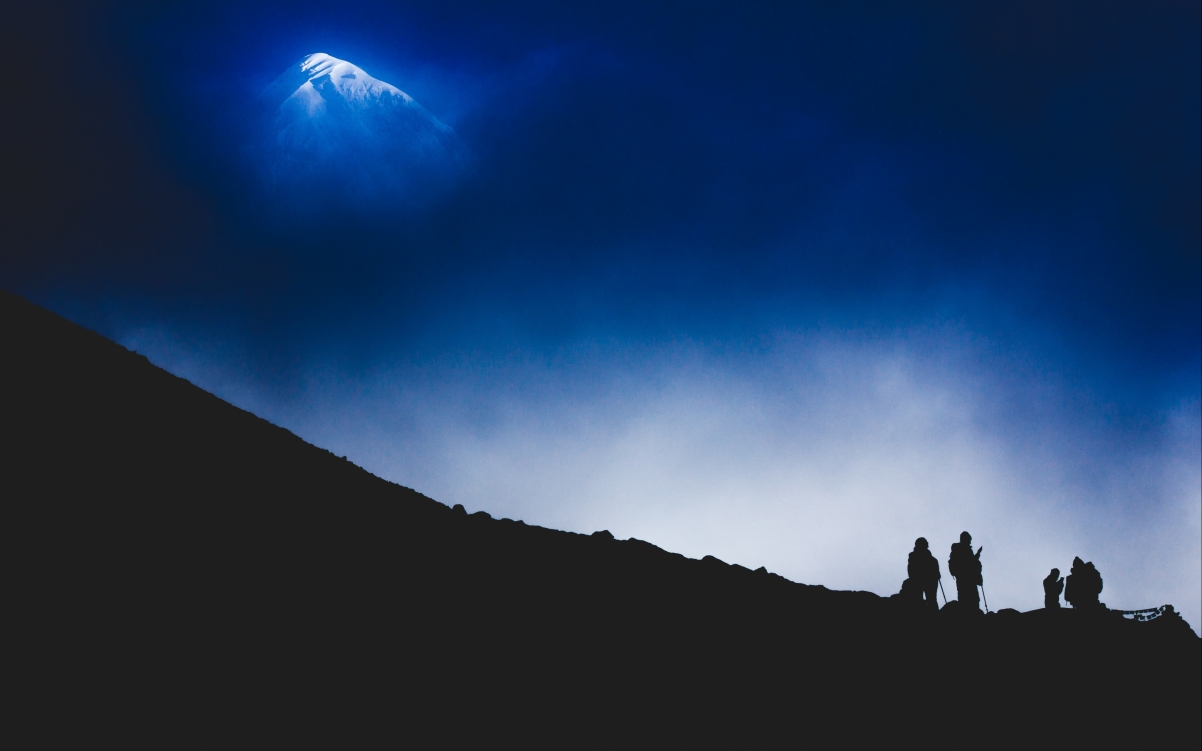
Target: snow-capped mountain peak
{"type": "Point", "coordinates": [330, 126]}
{"type": "Point", "coordinates": [315, 78]}
{"type": "Point", "coordinates": [331, 75]}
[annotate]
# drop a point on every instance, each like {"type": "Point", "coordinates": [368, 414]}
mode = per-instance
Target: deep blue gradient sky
{"type": "Point", "coordinates": [790, 284]}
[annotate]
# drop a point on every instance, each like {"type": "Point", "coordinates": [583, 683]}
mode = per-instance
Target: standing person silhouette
{"type": "Point", "coordinates": [1083, 586]}
{"type": "Point", "coordinates": [966, 567]}
{"type": "Point", "coordinates": [1052, 587]}
{"type": "Point", "coordinates": [923, 570]}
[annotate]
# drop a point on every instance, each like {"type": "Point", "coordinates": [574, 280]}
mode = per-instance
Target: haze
{"type": "Point", "coordinates": [789, 285]}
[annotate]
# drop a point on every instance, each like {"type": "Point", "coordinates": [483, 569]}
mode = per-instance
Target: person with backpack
{"type": "Point", "coordinates": [1083, 585]}
{"type": "Point", "coordinates": [966, 567]}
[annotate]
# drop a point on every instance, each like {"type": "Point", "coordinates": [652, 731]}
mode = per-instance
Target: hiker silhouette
{"type": "Point", "coordinates": [966, 567]}
{"type": "Point", "coordinates": [1083, 585]}
{"type": "Point", "coordinates": [1053, 585]}
{"type": "Point", "coordinates": [923, 571]}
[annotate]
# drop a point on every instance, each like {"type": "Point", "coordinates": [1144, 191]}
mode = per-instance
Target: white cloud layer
{"type": "Point", "coordinates": [821, 456]}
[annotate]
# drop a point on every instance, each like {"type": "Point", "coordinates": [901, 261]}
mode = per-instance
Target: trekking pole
{"type": "Point", "coordinates": [983, 597]}
{"type": "Point", "coordinates": [944, 593]}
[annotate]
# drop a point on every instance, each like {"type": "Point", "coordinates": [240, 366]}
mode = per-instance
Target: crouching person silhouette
{"type": "Point", "coordinates": [923, 571]}
{"type": "Point", "coordinates": [966, 567]}
{"type": "Point", "coordinates": [1052, 587]}
{"type": "Point", "coordinates": [1083, 586]}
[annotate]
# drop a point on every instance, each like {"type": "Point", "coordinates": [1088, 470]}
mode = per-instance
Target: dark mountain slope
{"type": "Point", "coordinates": [181, 572]}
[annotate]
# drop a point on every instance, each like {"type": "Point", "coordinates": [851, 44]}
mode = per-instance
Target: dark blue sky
{"type": "Point", "coordinates": [1000, 204]}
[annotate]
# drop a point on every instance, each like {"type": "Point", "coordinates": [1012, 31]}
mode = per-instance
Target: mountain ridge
{"type": "Point", "coordinates": [183, 568]}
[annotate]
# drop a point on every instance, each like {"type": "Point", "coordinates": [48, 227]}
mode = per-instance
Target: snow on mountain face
{"type": "Point", "coordinates": [307, 87]}
{"type": "Point", "coordinates": [349, 81]}
{"type": "Point", "coordinates": [332, 129]}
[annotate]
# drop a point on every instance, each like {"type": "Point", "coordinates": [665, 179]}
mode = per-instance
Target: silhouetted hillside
{"type": "Point", "coordinates": [182, 572]}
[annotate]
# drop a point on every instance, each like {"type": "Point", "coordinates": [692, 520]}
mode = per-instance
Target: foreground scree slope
{"type": "Point", "coordinates": [182, 571]}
